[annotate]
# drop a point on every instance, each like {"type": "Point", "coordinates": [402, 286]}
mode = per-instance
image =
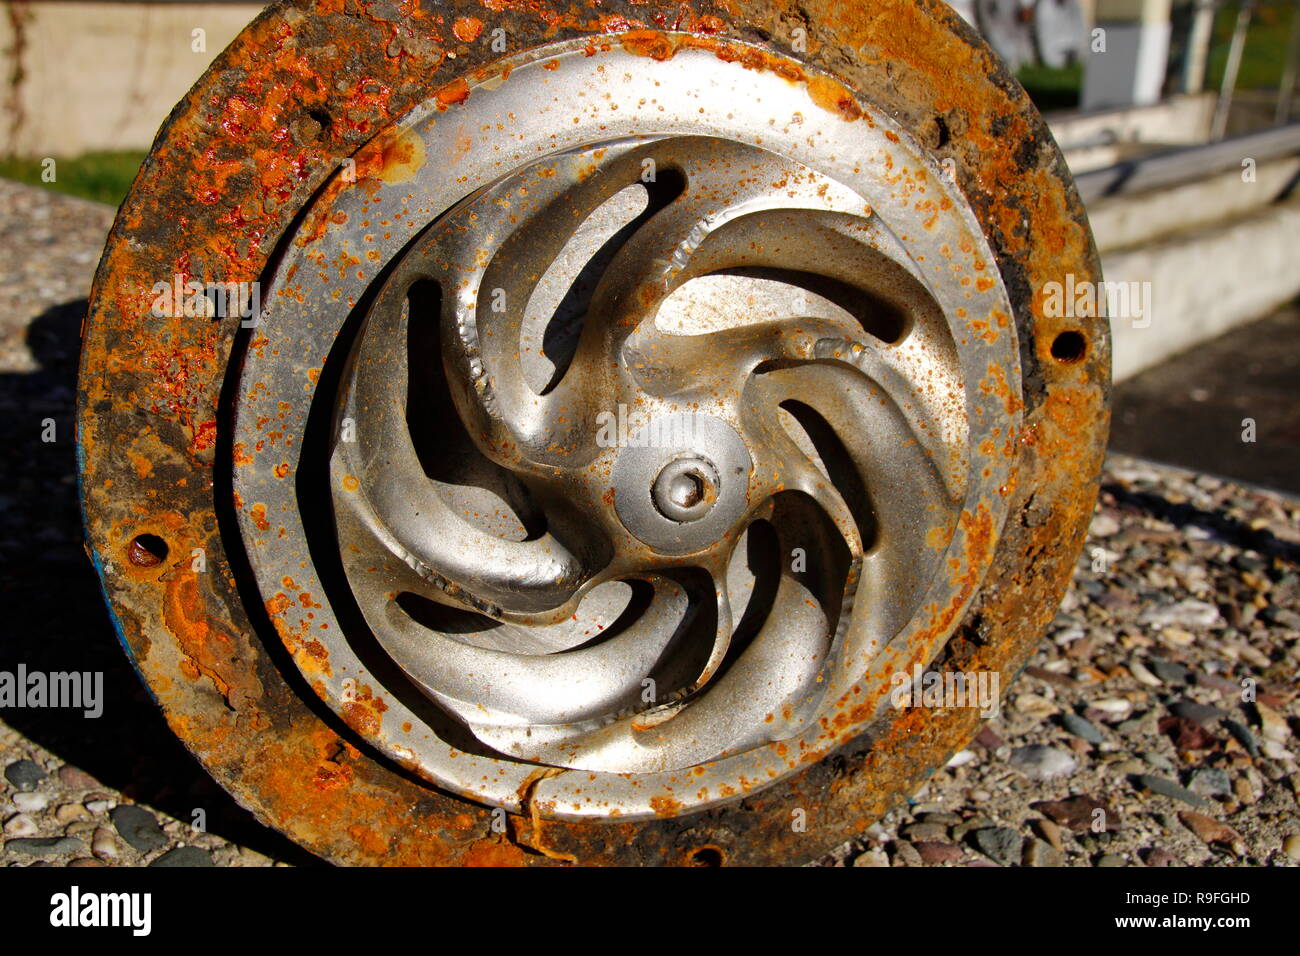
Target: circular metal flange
{"type": "Point", "coordinates": [791, 302]}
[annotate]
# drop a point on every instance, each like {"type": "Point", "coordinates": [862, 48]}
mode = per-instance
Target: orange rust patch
{"type": "Point", "coordinates": [665, 806]}
{"type": "Point", "coordinates": [835, 97]}
{"type": "Point", "coordinates": [370, 841]}
{"type": "Point", "coordinates": [493, 853]}
{"type": "Point", "coordinates": [649, 43]}
{"type": "Point", "coordinates": [457, 91]}
{"type": "Point", "coordinates": [467, 29]}
{"type": "Point", "coordinates": [397, 159]}
{"type": "Point", "coordinates": [258, 512]}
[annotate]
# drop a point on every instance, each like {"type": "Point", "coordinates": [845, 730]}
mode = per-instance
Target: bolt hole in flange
{"type": "Point", "coordinates": [706, 856]}
{"type": "Point", "coordinates": [791, 376]}
{"type": "Point", "coordinates": [1069, 347]}
{"type": "Point", "coordinates": [147, 551]}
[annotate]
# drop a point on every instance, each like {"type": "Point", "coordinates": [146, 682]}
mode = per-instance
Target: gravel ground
{"type": "Point", "coordinates": [1133, 706]}
{"type": "Point", "coordinates": [1183, 603]}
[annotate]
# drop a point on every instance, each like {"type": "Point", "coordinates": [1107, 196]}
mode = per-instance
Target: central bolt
{"type": "Point", "coordinates": [686, 489]}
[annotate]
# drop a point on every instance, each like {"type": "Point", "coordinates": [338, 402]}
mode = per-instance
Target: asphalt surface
{"type": "Point", "coordinates": [1195, 409]}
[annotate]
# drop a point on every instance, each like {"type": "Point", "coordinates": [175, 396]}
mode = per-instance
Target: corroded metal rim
{"type": "Point", "coordinates": [308, 85]}
{"type": "Point", "coordinates": [770, 178]}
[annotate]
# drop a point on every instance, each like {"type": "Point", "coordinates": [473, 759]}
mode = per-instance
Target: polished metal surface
{"type": "Point", "coordinates": [661, 393]}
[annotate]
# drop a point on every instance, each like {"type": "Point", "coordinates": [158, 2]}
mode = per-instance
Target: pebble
{"type": "Point", "coordinates": [69, 812]}
{"type": "Point", "coordinates": [1187, 735]}
{"type": "Point", "coordinates": [1081, 728]}
{"type": "Point", "coordinates": [974, 823]}
{"type": "Point", "coordinates": [31, 802]}
{"type": "Point", "coordinates": [99, 806]}
{"type": "Point", "coordinates": [1188, 613]}
{"type": "Point", "coordinates": [999, 844]}
{"type": "Point", "coordinates": [1035, 705]}
{"type": "Point", "coordinates": [138, 827]}
{"type": "Point", "coordinates": [1197, 713]}
{"type": "Point", "coordinates": [942, 817]}
{"type": "Point", "coordinates": [1217, 683]}
{"type": "Point", "coordinates": [187, 856]}
{"type": "Point", "coordinates": [1211, 831]}
{"type": "Point", "coordinates": [1271, 724]}
{"type": "Point", "coordinates": [1275, 751]}
{"type": "Point", "coordinates": [961, 758]}
{"type": "Point", "coordinates": [1139, 670]}
{"type": "Point", "coordinates": [24, 775]}
{"type": "Point", "coordinates": [1103, 525]}
{"type": "Point", "coordinates": [1281, 616]}
{"type": "Point", "coordinates": [1243, 791]}
{"type": "Point", "coordinates": [1051, 833]}
{"type": "Point", "coordinates": [1170, 672]}
{"type": "Point", "coordinates": [1114, 706]}
{"type": "Point", "coordinates": [247, 857]}
{"type": "Point", "coordinates": [1051, 677]}
{"type": "Point", "coordinates": [1170, 789]}
{"type": "Point", "coordinates": [20, 825]}
{"type": "Point", "coordinates": [103, 845]}
{"type": "Point", "coordinates": [875, 857]}
{"type": "Point", "coordinates": [938, 851]}
{"type": "Point", "coordinates": [1112, 860]}
{"type": "Point", "coordinates": [45, 846]}
{"type": "Point", "coordinates": [924, 831]}
{"type": "Point", "coordinates": [1041, 762]}
{"type": "Point", "coordinates": [1076, 813]}
{"type": "Point", "coordinates": [85, 861]}
{"type": "Point", "coordinates": [1291, 846]}
{"type": "Point", "coordinates": [1209, 782]}
{"type": "Point", "coordinates": [1158, 760]}
{"type": "Point", "coordinates": [1136, 727]}
{"type": "Point", "coordinates": [877, 834]}
{"type": "Point", "coordinates": [76, 778]}
{"type": "Point", "coordinates": [1041, 853]}
{"type": "Point", "coordinates": [1177, 637]}
{"type": "Point", "coordinates": [1160, 857]}
{"type": "Point", "coordinates": [1241, 733]}
{"type": "Point", "coordinates": [905, 854]}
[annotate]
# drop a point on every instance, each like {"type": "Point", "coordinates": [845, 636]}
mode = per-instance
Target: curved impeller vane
{"type": "Point", "coordinates": [905, 497]}
{"type": "Point", "coordinates": [486, 687]}
{"type": "Point", "coordinates": [761, 692]}
{"type": "Point", "coordinates": [383, 479]}
{"type": "Point", "coordinates": [798, 472]}
{"type": "Point", "coordinates": [491, 253]}
{"type": "Point", "coordinates": [735, 197]}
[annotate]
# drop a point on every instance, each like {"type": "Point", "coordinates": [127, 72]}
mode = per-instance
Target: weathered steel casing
{"type": "Point", "coordinates": [309, 84]}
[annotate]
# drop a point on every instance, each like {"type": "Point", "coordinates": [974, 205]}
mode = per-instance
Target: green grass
{"type": "Point", "coordinates": [1261, 61]}
{"type": "Point", "coordinates": [102, 176]}
{"type": "Point", "coordinates": [1052, 89]}
{"type": "Point", "coordinates": [1265, 52]}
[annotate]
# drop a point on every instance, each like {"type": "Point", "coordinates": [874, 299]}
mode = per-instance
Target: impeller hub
{"type": "Point", "coordinates": [671, 495]}
{"type": "Point", "coordinates": [686, 489]}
